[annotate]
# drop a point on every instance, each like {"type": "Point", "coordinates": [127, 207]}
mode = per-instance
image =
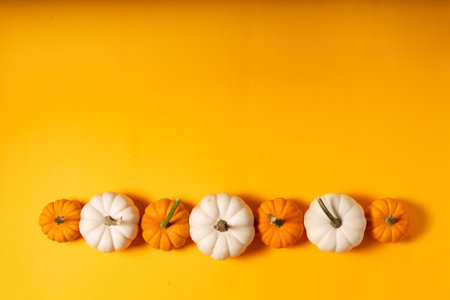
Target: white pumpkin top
{"type": "Point", "coordinates": [320, 229]}
{"type": "Point", "coordinates": [222, 225]}
{"type": "Point", "coordinates": [109, 222]}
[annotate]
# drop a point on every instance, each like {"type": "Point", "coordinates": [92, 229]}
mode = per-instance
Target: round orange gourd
{"type": "Point", "coordinates": [59, 220]}
{"type": "Point", "coordinates": [388, 220]}
{"type": "Point", "coordinates": [279, 223]}
{"type": "Point", "coordinates": [165, 224]}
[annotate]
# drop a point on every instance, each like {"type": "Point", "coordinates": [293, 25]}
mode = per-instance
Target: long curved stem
{"type": "Point", "coordinates": [336, 222]}
{"type": "Point", "coordinates": [165, 223]}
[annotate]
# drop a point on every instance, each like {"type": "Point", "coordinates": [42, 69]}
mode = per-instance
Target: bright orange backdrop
{"type": "Point", "coordinates": [255, 98]}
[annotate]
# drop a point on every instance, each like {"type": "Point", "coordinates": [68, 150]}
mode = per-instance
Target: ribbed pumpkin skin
{"type": "Point", "coordinates": [165, 239]}
{"type": "Point", "coordinates": [66, 231]}
{"type": "Point", "coordinates": [376, 214]}
{"type": "Point", "coordinates": [287, 234]}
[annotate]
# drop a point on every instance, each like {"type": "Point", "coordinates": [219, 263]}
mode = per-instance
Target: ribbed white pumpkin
{"type": "Point", "coordinates": [222, 225]}
{"type": "Point", "coordinates": [341, 229]}
{"type": "Point", "coordinates": [109, 222]}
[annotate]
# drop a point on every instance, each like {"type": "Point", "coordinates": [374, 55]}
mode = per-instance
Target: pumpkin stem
{"type": "Point", "coordinates": [221, 226]}
{"type": "Point", "coordinates": [277, 222]}
{"type": "Point", "coordinates": [390, 220]}
{"type": "Point", "coordinates": [108, 221]}
{"type": "Point", "coordinates": [165, 223]}
{"type": "Point", "coordinates": [336, 222]}
{"type": "Point", "coordinates": [59, 220]}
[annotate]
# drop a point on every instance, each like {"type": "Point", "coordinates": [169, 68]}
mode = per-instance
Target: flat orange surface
{"type": "Point", "coordinates": [255, 98]}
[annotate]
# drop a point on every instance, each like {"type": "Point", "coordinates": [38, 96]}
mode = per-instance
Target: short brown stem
{"type": "Point", "coordinates": [221, 226]}
{"type": "Point", "coordinates": [59, 220]}
{"type": "Point", "coordinates": [277, 222]}
{"type": "Point", "coordinates": [390, 220]}
{"type": "Point", "coordinates": [108, 221]}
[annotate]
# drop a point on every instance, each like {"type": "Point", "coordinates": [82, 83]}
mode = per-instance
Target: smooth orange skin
{"type": "Point", "coordinates": [165, 239]}
{"type": "Point", "coordinates": [68, 230]}
{"type": "Point", "coordinates": [291, 230]}
{"type": "Point", "coordinates": [376, 214]}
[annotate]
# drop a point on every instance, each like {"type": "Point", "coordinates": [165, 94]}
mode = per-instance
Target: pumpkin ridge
{"type": "Point", "coordinates": [391, 205]}
{"type": "Point", "coordinates": [97, 210]}
{"type": "Point", "coordinates": [279, 208]}
{"type": "Point", "coordinates": [99, 240]}
{"type": "Point", "coordinates": [284, 230]}
{"type": "Point", "coordinates": [67, 236]}
{"type": "Point", "coordinates": [92, 229]}
{"type": "Point", "coordinates": [114, 200]}
{"type": "Point", "coordinates": [204, 213]}
{"type": "Point", "coordinates": [294, 217]}
{"type": "Point", "coordinates": [270, 207]}
{"type": "Point", "coordinates": [225, 212]}
{"type": "Point", "coordinates": [179, 215]}
{"type": "Point", "coordinates": [119, 232]}
{"type": "Point", "coordinates": [58, 206]}
{"type": "Point", "coordinates": [232, 232]}
{"type": "Point", "coordinates": [382, 206]}
{"type": "Point", "coordinates": [206, 235]}
{"type": "Point", "coordinates": [156, 239]}
{"type": "Point", "coordinates": [344, 234]}
{"type": "Point", "coordinates": [395, 213]}
{"type": "Point", "coordinates": [325, 236]}
{"type": "Point", "coordinates": [349, 211]}
{"type": "Point", "coordinates": [118, 214]}
{"type": "Point", "coordinates": [174, 232]}
{"type": "Point", "coordinates": [50, 208]}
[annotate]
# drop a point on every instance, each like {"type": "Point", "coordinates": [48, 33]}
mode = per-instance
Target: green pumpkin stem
{"type": "Point", "coordinates": [277, 222]}
{"type": "Point", "coordinates": [59, 220]}
{"type": "Point", "coordinates": [390, 220]}
{"type": "Point", "coordinates": [335, 222]}
{"type": "Point", "coordinates": [221, 225]}
{"type": "Point", "coordinates": [108, 221]}
{"type": "Point", "coordinates": [165, 223]}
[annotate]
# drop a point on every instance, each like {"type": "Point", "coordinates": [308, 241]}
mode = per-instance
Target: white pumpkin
{"type": "Point", "coordinates": [109, 222]}
{"type": "Point", "coordinates": [335, 223]}
{"type": "Point", "coordinates": [222, 225]}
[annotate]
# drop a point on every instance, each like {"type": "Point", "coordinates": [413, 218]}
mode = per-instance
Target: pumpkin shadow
{"type": "Point", "coordinates": [141, 203]}
{"type": "Point", "coordinates": [304, 207]}
{"type": "Point", "coordinates": [256, 246]}
{"type": "Point", "coordinates": [79, 237]}
{"type": "Point", "coordinates": [368, 243]}
{"type": "Point", "coordinates": [419, 221]}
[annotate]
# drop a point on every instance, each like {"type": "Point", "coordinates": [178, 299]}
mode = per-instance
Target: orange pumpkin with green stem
{"type": "Point", "coordinates": [59, 220]}
{"type": "Point", "coordinates": [165, 224]}
{"type": "Point", "coordinates": [279, 223]}
{"type": "Point", "coordinates": [388, 220]}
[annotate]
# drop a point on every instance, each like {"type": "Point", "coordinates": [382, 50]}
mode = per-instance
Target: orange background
{"type": "Point", "coordinates": [255, 98]}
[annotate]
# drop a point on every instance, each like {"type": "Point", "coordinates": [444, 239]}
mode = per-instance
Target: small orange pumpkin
{"type": "Point", "coordinates": [165, 224]}
{"type": "Point", "coordinates": [59, 220]}
{"type": "Point", "coordinates": [279, 223]}
{"type": "Point", "coordinates": [388, 220]}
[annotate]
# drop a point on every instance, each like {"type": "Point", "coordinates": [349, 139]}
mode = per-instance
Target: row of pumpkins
{"type": "Point", "coordinates": [223, 225]}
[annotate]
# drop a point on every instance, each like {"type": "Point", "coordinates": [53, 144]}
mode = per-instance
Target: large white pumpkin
{"type": "Point", "coordinates": [335, 223]}
{"type": "Point", "coordinates": [109, 222]}
{"type": "Point", "coordinates": [222, 225]}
